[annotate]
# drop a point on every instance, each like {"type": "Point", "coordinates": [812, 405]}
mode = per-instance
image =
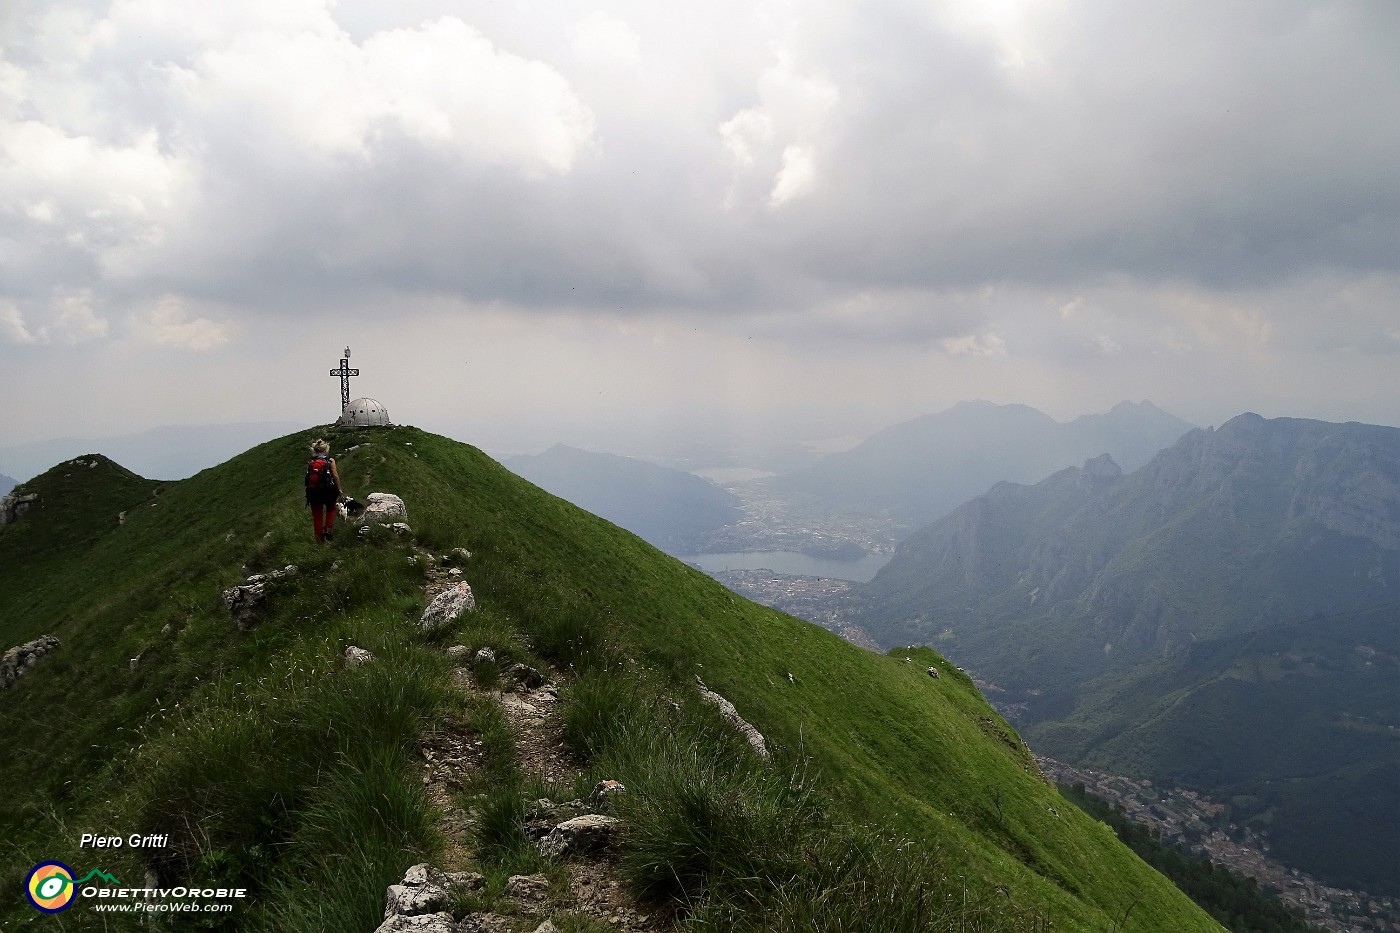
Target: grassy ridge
{"type": "Point", "coordinates": [257, 750]}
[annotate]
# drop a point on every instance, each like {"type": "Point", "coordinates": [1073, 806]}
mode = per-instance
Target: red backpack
{"type": "Point", "coordinates": [318, 475]}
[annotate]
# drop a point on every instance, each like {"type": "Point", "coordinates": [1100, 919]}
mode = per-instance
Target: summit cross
{"type": "Point", "coordinates": [345, 372]}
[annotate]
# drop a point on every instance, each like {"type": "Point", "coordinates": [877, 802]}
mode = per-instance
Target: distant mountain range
{"type": "Point", "coordinates": [1227, 616]}
{"type": "Point", "coordinates": [920, 470]}
{"type": "Point", "coordinates": [669, 508]}
{"type": "Point", "coordinates": [169, 452]}
{"type": "Point", "coordinates": [7, 483]}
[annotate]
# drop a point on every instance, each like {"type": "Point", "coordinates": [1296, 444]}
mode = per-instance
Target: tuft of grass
{"type": "Point", "coordinates": [483, 717]}
{"type": "Point", "coordinates": [601, 708]}
{"type": "Point", "coordinates": [500, 830]}
{"type": "Point", "coordinates": [358, 831]}
{"type": "Point", "coordinates": [297, 785]}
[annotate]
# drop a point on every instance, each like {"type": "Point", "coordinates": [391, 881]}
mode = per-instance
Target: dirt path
{"type": "Point", "coordinates": [452, 757]}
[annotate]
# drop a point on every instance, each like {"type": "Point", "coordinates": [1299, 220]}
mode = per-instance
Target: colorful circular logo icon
{"type": "Point", "coordinates": [50, 887]}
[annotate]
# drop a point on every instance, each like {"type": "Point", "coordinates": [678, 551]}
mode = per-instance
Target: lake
{"type": "Point", "coordinates": [791, 562]}
{"type": "Point", "coordinates": [722, 475]}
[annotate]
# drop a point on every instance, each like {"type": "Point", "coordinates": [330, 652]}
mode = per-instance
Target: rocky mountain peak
{"type": "Point", "coordinates": [1099, 472]}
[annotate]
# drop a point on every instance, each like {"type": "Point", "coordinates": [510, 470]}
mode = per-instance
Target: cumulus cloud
{"type": "Point", "coordinates": [796, 178]}
{"type": "Point", "coordinates": [169, 325]}
{"type": "Point", "coordinates": [14, 326]}
{"type": "Point", "coordinates": [1070, 186]}
{"type": "Point", "coordinates": [75, 321]}
{"type": "Point", "coordinates": [975, 345]}
{"type": "Point", "coordinates": [440, 84]}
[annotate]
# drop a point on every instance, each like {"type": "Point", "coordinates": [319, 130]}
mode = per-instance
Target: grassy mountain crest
{"type": "Point", "coordinates": [274, 766]}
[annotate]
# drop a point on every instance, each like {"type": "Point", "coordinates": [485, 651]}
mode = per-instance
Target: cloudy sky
{"type": "Point", "coordinates": [533, 218]}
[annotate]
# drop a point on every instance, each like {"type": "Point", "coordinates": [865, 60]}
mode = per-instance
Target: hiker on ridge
{"type": "Point", "coordinates": [323, 489]}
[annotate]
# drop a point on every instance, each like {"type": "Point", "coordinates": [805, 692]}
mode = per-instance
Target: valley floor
{"type": "Point", "coordinates": [1198, 824]}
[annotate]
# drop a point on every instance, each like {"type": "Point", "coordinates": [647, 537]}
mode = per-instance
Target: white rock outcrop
{"type": "Point", "coordinates": [382, 508]}
{"type": "Point", "coordinates": [446, 607]}
{"type": "Point", "coordinates": [419, 901]}
{"type": "Point", "coordinates": [581, 834]}
{"type": "Point", "coordinates": [730, 713]}
{"type": "Point", "coordinates": [244, 599]}
{"type": "Point", "coordinates": [441, 922]}
{"type": "Point", "coordinates": [16, 504]}
{"type": "Point", "coordinates": [22, 658]}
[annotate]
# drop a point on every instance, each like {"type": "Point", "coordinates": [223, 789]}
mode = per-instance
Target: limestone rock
{"type": "Point", "coordinates": [22, 658]}
{"type": "Point", "coordinates": [525, 675]}
{"type": "Point", "coordinates": [730, 713]}
{"type": "Point", "coordinates": [485, 656]}
{"type": "Point", "coordinates": [354, 656]}
{"type": "Point", "coordinates": [581, 834]}
{"type": "Point", "coordinates": [401, 529]}
{"type": "Point", "coordinates": [458, 556]}
{"type": "Point", "coordinates": [414, 901]}
{"type": "Point", "coordinates": [933, 672]}
{"type": "Point", "coordinates": [243, 601]}
{"type": "Point", "coordinates": [446, 607]}
{"type": "Point", "coordinates": [458, 654]}
{"type": "Point", "coordinates": [422, 923]}
{"type": "Point", "coordinates": [423, 873]}
{"type": "Point", "coordinates": [15, 504]}
{"type": "Point", "coordinates": [382, 508]}
{"type": "Point", "coordinates": [544, 814]}
{"type": "Point", "coordinates": [547, 927]}
{"type": "Point", "coordinates": [485, 923]}
{"type": "Point", "coordinates": [288, 571]}
{"type": "Point", "coordinates": [425, 891]}
{"type": "Point", "coordinates": [528, 889]}
{"type": "Point", "coordinates": [464, 880]}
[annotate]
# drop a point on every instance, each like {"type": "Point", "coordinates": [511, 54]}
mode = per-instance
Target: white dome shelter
{"type": "Point", "coordinates": [364, 412]}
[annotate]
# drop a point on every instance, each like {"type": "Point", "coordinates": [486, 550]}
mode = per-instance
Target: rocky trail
{"type": "Point", "coordinates": [582, 888]}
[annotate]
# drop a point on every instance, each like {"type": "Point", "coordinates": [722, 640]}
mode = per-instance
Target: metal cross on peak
{"type": "Point", "coordinates": [345, 372]}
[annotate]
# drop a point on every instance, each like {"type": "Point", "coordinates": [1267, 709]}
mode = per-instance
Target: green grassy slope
{"type": "Point", "coordinates": [270, 766]}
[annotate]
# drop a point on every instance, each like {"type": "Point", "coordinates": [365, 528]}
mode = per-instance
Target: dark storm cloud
{"type": "Point", "coordinates": [1221, 144]}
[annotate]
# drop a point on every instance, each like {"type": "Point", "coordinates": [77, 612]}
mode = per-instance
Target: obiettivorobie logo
{"type": "Point", "coordinates": [51, 887]}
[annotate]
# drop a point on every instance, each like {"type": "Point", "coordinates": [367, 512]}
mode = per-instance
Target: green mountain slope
{"type": "Point", "coordinates": [1225, 617]}
{"type": "Point", "coordinates": [271, 766]}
